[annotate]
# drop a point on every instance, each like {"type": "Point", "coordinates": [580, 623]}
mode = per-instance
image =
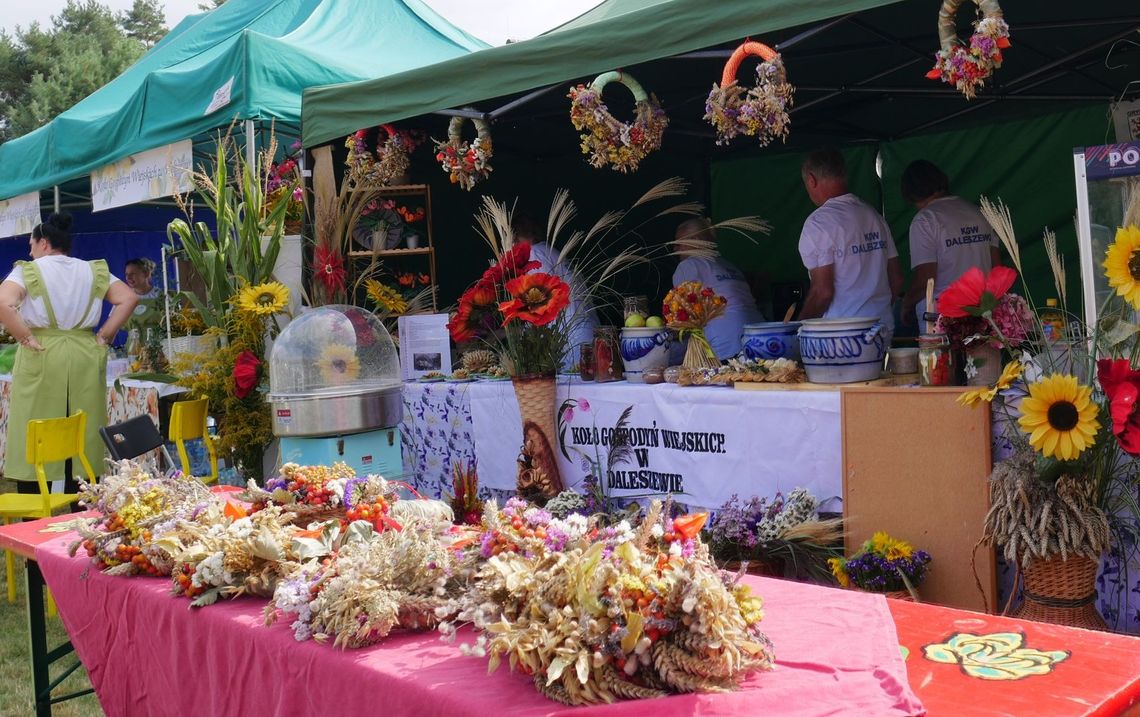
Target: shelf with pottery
{"type": "Point", "coordinates": [412, 248]}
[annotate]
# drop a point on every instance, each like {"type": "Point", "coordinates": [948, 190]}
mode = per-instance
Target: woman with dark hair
{"type": "Point", "coordinates": [51, 305]}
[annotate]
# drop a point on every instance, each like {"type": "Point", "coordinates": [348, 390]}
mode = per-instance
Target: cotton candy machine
{"type": "Point", "coordinates": [335, 391]}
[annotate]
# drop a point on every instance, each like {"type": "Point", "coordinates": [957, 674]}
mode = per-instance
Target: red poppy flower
{"type": "Point", "coordinates": [405, 279]}
{"type": "Point", "coordinates": [423, 279]}
{"type": "Point", "coordinates": [464, 325]}
{"type": "Point", "coordinates": [975, 293]}
{"type": "Point", "coordinates": [245, 373]}
{"type": "Point", "coordinates": [1122, 387]}
{"type": "Point", "coordinates": [537, 298]}
{"type": "Point", "coordinates": [481, 296]}
{"type": "Point", "coordinates": [328, 265]}
{"type": "Point", "coordinates": [514, 262]}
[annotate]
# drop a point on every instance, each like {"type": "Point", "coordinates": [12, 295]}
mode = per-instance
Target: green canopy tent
{"type": "Point", "coordinates": [246, 60]}
{"type": "Point", "coordinates": [858, 67]}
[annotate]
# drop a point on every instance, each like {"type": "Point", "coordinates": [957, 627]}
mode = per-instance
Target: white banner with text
{"type": "Point", "coordinates": [160, 172]}
{"type": "Point", "coordinates": [19, 215]}
{"type": "Point", "coordinates": [703, 444]}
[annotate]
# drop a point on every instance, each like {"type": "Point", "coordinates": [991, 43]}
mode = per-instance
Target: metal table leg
{"type": "Point", "coordinates": [42, 657]}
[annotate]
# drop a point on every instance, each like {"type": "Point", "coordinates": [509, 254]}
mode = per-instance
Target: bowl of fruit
{"type": "Point", "coordinates": [644, 344]}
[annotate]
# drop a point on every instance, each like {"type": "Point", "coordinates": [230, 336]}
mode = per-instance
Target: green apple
{"type": "Point", "coordinates": [634, 321]}
{"type": "Point", "coordinates": [655, 322]}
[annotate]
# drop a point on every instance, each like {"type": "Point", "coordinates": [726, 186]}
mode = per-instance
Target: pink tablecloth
{"type": "Point", "coordinates": [148, 653]}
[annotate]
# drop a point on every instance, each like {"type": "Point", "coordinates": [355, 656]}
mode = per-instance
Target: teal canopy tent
{"type": "Point", "coordinates": [248, 59]}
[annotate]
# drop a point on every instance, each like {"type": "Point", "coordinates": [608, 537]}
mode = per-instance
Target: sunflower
{"type": "Point", "coordinates": [839, 570]}
{"type": "Point", "coordinates": [338, 364]}
{"type": "Point", "coordinates": [536, 298]}
{"type": "Point", "coordinates": [263, 299]}
{"type": "Point", "coordinates": [1009, 374]}
{"type": "Point", "coordinates": [1122, 265]}
{"type": "Point", "coordinates": [385, 297]}
{"type": "Point", "coordinates": [1060, 417]}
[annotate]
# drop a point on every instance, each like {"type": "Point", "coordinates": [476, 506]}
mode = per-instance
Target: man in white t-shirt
{"type": "Point", "coordinates": [947, 236]}
{"type": "Point", "coordinates": [701, 263]}
{"type": "Point", "coordinates": [846, 247]}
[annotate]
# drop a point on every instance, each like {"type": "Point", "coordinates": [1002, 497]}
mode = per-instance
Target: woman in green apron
{"type": "Point", "coordinates": [51, 305]}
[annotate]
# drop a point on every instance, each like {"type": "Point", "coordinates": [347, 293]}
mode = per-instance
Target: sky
{"type": "Point", "coordinates": [494, 21]}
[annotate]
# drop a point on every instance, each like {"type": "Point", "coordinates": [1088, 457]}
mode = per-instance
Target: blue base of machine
{"type": "Point", "coordinates": [369, 453]}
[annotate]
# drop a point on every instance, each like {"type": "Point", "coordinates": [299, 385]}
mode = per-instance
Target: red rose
{"type": "Point", "coordinates": [245, 373]}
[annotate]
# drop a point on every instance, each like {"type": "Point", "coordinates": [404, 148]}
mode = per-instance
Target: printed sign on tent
{"type": "Point", "coordinates": [19, 215]}
{"type": "Point", "coordinates": [155, 173]}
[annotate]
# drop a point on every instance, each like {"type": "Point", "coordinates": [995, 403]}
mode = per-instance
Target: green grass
{"type": "Point", "coordinates": [15, 665]}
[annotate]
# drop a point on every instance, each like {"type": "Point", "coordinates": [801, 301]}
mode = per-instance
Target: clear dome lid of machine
{"type": "Point", "coordinates": [333, 350]}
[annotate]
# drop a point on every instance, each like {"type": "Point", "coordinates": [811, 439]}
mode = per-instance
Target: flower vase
{"type": "Point", "coordinates": [982, 365]}
{"type": "Point", "coordinates": [698, 352]}
{"type": "Point", "coordinates": [538, 464]}
{"type": "Point", "coordinates": [1060, 591]}
{"type": "Point", "coordinates": [412, 241]}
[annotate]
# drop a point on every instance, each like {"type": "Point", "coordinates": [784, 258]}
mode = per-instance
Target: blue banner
{"type": "Point", "coordinates": [1107, 161]}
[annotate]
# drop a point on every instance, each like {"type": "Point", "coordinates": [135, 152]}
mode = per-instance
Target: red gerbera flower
{"type": "Point", "coordinates": [1121, 385]}
{"type": "Point", "coordinates": [245, 373]}
{"type": "Point", "coordinates": [537, 298]}
{"type": "Point", "coordinates": [328, 265]}
{"type": "Point", "coordinates": [975, 293]}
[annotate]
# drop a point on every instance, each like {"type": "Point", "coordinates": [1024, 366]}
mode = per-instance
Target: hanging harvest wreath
{"type": "Point", "coordinates": [391, 159]}
{"type": "Point", "coordinates": [967, 67]}
{"type": "Point", "coordinates": [466, 162]}
{"type": "Point", "coordinates": [760, 112]}
{"type": "Point", "coordinates": [608, 140]}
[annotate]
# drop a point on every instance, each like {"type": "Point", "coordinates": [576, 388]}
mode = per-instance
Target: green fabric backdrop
{"type": "Point", "coordinates": [1027, 164]}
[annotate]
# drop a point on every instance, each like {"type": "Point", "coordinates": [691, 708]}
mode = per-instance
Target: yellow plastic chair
{"type": "Point", "coordinates": [50, 440]}
{"type": "Point", "coordinates": [187, 422]}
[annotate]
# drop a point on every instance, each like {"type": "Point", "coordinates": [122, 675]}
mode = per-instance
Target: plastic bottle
{"type": "Point", "coordinates": [1052, 321]}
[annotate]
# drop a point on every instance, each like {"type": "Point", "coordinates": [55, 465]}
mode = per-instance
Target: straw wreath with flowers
{"type": "Point", "coordinates": [967, 66]}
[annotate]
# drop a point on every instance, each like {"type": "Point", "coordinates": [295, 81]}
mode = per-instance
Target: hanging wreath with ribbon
{"type": "Point", "coordinates": [968, 66]}
{"type": "Point", "coordinates": [391, 159]}
{"type": "Point", "coordinates": [608, 140]}
{"type": "Point", "coordinates": [466, 163]}
{"type": "Point", "coordinates": [761, 111]}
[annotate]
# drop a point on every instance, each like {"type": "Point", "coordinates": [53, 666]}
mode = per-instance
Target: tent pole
{"type": "Point", "coordinates": [810, 32]}
{"type": "Point", "coordinates": [250, 144]}
{"type": "Point", "coordinates": [495, 114]}
{"type": "Point", "coordinates": [466, 113]}
{"type": "Point", "coordinates": [55, 200]}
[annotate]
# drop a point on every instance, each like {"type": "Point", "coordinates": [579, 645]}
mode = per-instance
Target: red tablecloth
{"type": "Point", "coordinates": [148, 653]}
{"type": "Point", "coordinates": [837, 654]}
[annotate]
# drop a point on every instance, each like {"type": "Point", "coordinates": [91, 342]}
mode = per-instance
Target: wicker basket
{"type": "Point", "coordinates": [181, 348]}
{"type": "Point", "coordinates": [538, 469]}
{"type": "Point", "coordinates": [1062, 592]}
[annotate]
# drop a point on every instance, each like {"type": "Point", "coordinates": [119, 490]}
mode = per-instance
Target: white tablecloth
{"type": "Point", "coordinates": [709, 442]}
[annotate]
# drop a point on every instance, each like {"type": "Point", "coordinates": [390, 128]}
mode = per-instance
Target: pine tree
{"type": "Point", "coordinates": [145, 22]}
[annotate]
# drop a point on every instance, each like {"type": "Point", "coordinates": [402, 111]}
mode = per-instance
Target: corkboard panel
{"type": "Point", "coordinates": [915, 464]}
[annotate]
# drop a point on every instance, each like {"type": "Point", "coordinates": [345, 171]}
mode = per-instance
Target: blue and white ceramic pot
{"type": "Point", "coordinates": [642, 348]}
{"type": "Point", "coordinates": [842, 350]}
{"type": "Point", "coordinates": [771, 340]}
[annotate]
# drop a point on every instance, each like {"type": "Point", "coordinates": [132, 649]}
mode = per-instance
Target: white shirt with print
{"type": "Point", "coordinates": [953, 233]}
{"type": "Point", "coordinates": [848, 233]}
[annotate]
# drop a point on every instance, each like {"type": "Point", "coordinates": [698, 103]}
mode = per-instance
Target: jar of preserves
{"type": "Point", "coordinates": [586, 361]}
{"type": "Point", "coordinates": [607, 355]}
{"type": "Point", "coordinates": [935, 360]}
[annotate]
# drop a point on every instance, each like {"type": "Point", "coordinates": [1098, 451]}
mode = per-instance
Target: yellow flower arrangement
{"type": "Point", "coordinates": [338, 364]}
{"type": "Point", "coordinates": [263, 299]}
{"type": "Point", "coordinates": [385, 297]}
{"type": "Point", "coordinates": [1122, 265]}
{"type": "Point", "coordinates": [1060, 417]}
